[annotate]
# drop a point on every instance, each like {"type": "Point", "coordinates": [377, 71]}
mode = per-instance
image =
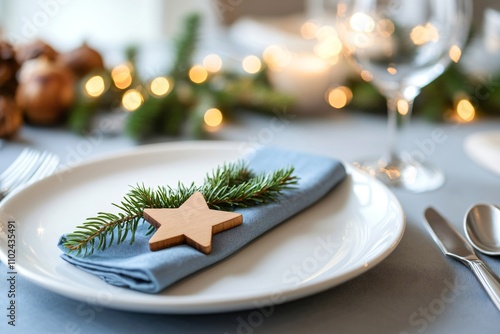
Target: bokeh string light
{"type": "Point", "coordinates": [122, 76]}
{"type": "Point", "coordinates": [455, 53]}
{"type": "Point", "coordinates": [160, 86]}
{"type": "Point", "coordinates": [322, 60]}
{"type": "Point", "coordinates": [339, 97]}
{"type": "Point", "coordinates": [132, 100]}
{"type": "Point", "coordinates": [213, 117]}
{"type": "Point", "coordinates": [95, 86]}
{"type": "Point", "coordinates": [465, 110]}
{"type": "Point", "coordinates": [198, 74]}
{"type": "Point", "coordinates": [212, 63]}
{"type": "Point", "coordinates": [251, 64]}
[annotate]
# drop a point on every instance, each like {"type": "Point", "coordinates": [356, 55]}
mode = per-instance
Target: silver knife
{"type": "Point", "coordinates": [454, 245]}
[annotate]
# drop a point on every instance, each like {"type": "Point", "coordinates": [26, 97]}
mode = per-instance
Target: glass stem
{"type": "Point", "coordinates": [399, 114]}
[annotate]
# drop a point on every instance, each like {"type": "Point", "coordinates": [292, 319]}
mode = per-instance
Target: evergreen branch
{"type": "Point", "coordinates": [81, 112]}
{"type": "Point", "coordinates": [173, 114]}
{"type": "Point", "coordinates": [196, 124]}
{"type": "Point", "coordinates": [185, 46]}
{"type": "Point", "coordinates": [263, 188]}
{"type": "Point", "coordinates": [80, 115]}
{"type": "Point", "coordinates": [256, 95]}
{"type": "Point", "coordinates": [228, 187]}
{"type": "Point", "coordinates": [142, 122]}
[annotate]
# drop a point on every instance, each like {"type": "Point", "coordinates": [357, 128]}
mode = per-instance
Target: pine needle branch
{"type": "Point", "coordinates": [186, 45]}
{"type": "Point", "coordinates": [229, 186]}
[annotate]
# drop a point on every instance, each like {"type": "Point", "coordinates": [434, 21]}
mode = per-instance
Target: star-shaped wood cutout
{"type": "Point", "coordinates": [192, 223]}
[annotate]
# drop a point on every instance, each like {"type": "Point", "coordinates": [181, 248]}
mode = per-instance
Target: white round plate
{"type": "Point", "coordinates": [484, 149]}
{"type": "Point", "coordinates": [346, 233]}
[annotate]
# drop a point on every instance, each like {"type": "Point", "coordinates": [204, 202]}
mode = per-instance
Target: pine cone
{"type": "Point", "coordinates": [34, 49]}
{"type": "Point", "coordinates": [11, 117]}
{"type": "Point", "coordinates": [46, 91]}
{"type": "Point", "coordinates": [8, 69]}
{"type": "Point", "coordinates": [82, 60]}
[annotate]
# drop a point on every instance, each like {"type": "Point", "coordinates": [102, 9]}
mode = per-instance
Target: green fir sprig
{"type": "Point", "coordinates": [185, 45]}
{"type": "Point", "coordinates": [229, 186]}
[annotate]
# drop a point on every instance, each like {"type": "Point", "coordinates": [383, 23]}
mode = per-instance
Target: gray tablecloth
{"type": "Point", "coordinates": [415, 290]}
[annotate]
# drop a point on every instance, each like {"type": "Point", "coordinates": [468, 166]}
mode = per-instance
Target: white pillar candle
{"type": "Point", "coordinates": [304, 76]}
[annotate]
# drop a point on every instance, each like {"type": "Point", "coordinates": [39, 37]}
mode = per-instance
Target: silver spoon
{"type": "Point", "coordinates": [482, 228]}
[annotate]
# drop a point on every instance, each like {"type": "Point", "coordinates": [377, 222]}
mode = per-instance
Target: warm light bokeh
{"type": "Point", "coordinates": [339, 97]}
{"type": "Point", "coordinates": [213, 117]}
{"type": "Point", "coordinates": [213, 63]}
{"type": "Point", "coordinates": [132, 100]}
{"type": "Point", "coordinates": [160, 86]}
{"type": "Point", "coordinates": [95, 86]}
{"type": "Point", "coordinates": [309, 29]}
{"type": "Point", "coordinates": [324, 32]}
{"type": "Point", "coordinates": [251, 64]}
{"type": "Point", "coordinates": [361, 22]}
{"type": "Point", "coordinates": [465, 110]}
{"type": "Point", "coordinates": [277, 57]}
{"type": "Point", "coordinates": [455, 53]}
{"type": "Point", "coordinates": [403, 107]}
{"type": "Point", "coordinates": [198, 74]}
{"type": "Point", "coordinates": [385, 28]}
{"type": "Point", "coordinates": [424, 34]}
{"type": "Point", "coordinates": [122, 76]}
{"type": "Point", "coordinates": [392, 70]}
{"type": "Point", "coordinates": [366, 75]}
{"type": "Point", "coordinates": [330, 47]}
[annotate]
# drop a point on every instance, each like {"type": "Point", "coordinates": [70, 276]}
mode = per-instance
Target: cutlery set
{"type": "Point", "coordinates": [482, 228]}
{"type": "Point", "coordinates": [30, 166]}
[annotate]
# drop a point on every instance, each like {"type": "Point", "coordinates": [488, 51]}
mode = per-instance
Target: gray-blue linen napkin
{"type": "Point", "coordinates": [136, 267]}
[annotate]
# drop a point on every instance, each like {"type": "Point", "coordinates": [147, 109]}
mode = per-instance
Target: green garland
{"type": "Point", "coordinates": [180, 112]}
{"type": "Point", "coordinates": [438, 100]}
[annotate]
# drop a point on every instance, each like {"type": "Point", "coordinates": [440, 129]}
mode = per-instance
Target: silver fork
{"type": "Point", "coordinates": [29, 167]}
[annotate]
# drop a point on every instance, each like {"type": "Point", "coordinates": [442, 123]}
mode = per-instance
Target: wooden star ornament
{"type": "Point", "coordinates": [192, 223]}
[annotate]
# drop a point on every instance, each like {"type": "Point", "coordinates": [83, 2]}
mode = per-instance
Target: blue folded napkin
{"type": "Point", "coordinates": [136, 267]}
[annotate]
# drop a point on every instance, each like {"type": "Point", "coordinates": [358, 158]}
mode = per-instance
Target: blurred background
{"type": "Point", "coordinates": [67, 23]}
{"type": "Point", "coordinates": [262, 55]}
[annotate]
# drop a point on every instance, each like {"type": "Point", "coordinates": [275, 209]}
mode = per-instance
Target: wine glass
{"type": "Point", "coordinates": [401, 46]}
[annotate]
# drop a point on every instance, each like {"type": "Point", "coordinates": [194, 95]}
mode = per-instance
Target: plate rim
{"type": "Point", "coordinates": [156, 303]}
{"type": "Point", "coordinates": [470, 146]}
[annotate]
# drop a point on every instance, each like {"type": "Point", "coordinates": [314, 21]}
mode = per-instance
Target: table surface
{"type": "Point", "coordinates": [414, 290]}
